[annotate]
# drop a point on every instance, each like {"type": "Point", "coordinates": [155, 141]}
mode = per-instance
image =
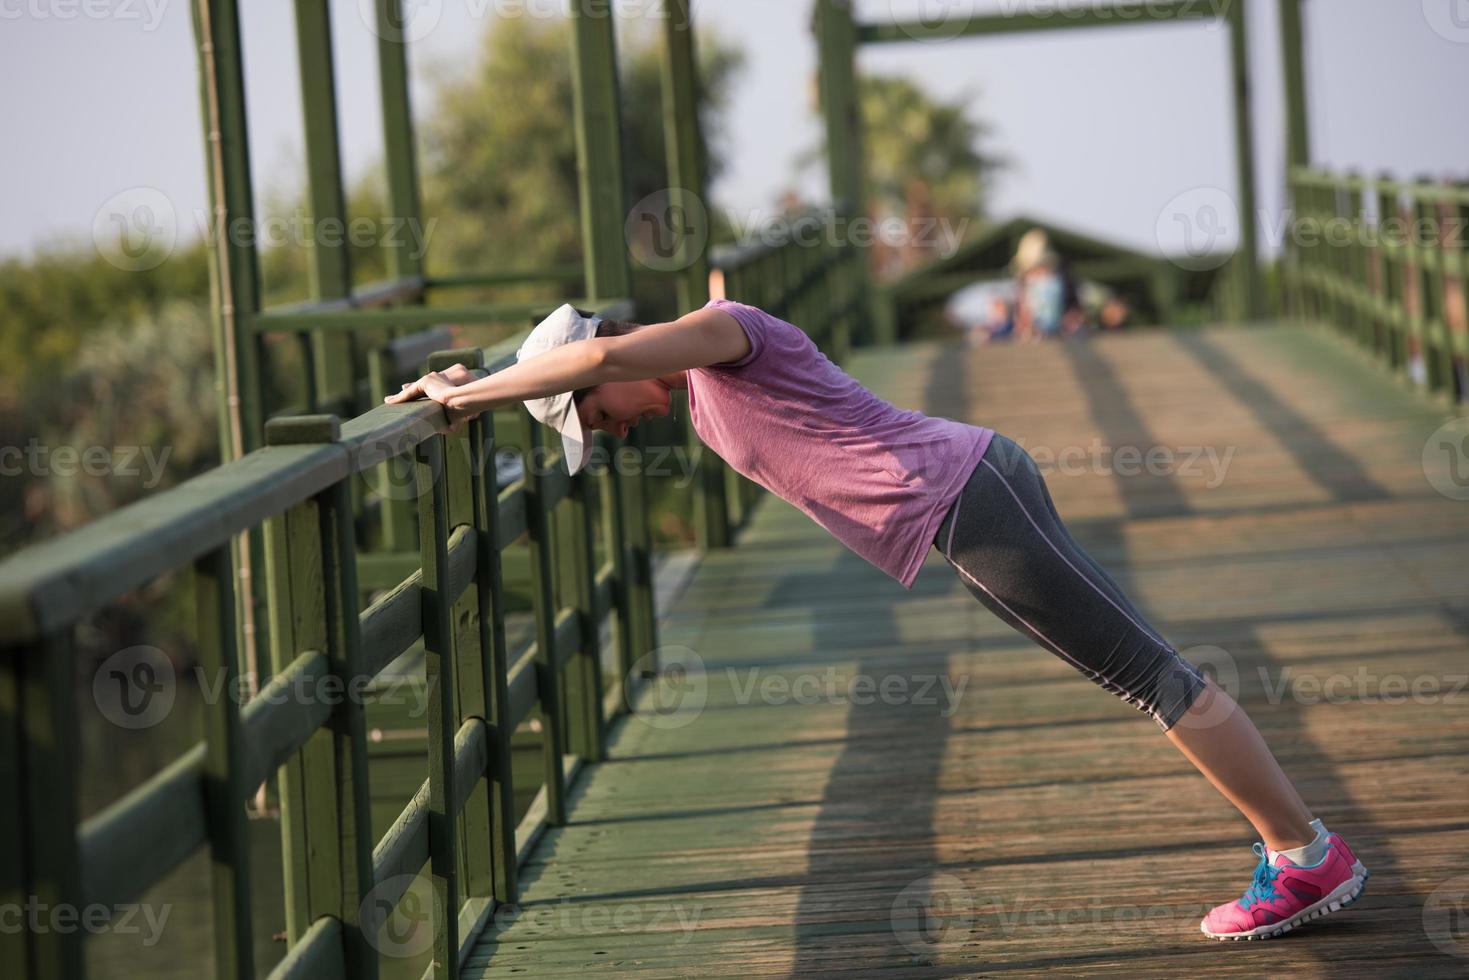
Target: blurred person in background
{"type": "Point", "coordinates": [1039, 287]}
{"type": "Point", "coordinates": [998, 324]}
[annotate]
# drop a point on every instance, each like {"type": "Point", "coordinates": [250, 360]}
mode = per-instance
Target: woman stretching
{"type": "Point", "coordinates": [891, 483]}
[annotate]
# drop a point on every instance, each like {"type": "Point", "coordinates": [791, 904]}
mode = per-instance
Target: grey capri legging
{"type": "Point", "coordinates": [1011, 550]}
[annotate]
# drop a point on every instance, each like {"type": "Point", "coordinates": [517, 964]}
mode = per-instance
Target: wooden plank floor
{"type": "Point", "coordinates": [991, 812]}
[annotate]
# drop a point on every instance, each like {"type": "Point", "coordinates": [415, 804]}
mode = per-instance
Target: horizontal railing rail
{"type": "Point", "coordinates": [1385, 261]}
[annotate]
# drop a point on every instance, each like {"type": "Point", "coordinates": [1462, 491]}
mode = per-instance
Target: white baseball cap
{"type": "Point", "coordinates": [559, 411]}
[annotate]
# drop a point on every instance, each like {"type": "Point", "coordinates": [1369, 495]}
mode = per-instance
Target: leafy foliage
{"type": "Point", "coordinates": [924, 161]}
{"type": "Point", "coordinates": [92, 355]}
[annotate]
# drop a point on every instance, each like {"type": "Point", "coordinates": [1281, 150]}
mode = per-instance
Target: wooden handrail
{"type": "Point", "coordinates": [1385, 261]}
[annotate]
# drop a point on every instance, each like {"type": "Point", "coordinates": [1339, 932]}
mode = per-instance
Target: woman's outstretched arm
{"type": "Point", "coordinates": [694, 340]}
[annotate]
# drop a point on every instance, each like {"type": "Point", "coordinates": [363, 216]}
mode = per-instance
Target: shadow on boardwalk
{"type": "Point", "coordinates": [1033, 824]}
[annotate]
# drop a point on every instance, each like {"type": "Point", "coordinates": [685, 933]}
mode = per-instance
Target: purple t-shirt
{"type": "Point", "coordinates": [878, 477]}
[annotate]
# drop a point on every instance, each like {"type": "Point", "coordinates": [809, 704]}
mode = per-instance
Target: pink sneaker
{"type": "Point", "coordinates": [1284, 895]}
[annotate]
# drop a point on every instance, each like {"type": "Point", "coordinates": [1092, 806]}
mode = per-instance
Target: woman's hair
{"type": "Point", "coordinates": [605, 328]}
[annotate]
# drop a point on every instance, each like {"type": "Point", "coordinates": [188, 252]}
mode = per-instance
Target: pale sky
{"type": "Point", "coordinates": [1106, 127]}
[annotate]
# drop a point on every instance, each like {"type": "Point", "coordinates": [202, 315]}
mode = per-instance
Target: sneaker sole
{"type": "Point", "coordinates": [1343, 895]}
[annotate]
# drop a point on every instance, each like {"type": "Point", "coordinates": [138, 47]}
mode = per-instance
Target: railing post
{"type": "Point", "coordinates": [543, 604]}
{"type": "Point", "coordinates": [224, 787]}
{"type": "Point", "coordinates": [686, 176]}
{"type": "Point", "coordinates": [234, 273]}
{"type": "Point", "coordinates": [1297, 120]}
{"type": "Point", "coordinates": [396, 515]}
{"type": "Point", "coordinates": [575, 571]}
{"type": "Point", "coordinates": [398, 143]}
{"type": "Point", "coordinates": [1389, 259]}
{"type": "Point", "coordinates": [1297, 140]}
{"type": "Point", "coordinates": [439, 676]}
{"type": "Point", "coordinates": [1290, 256]}
{"type": "Point", "coordinates": [469, 656]}
{"type": "Point", "coordinates": [684, 146]}
{"type": "Point", "coordinates": [597, 111]}
{"type": "Point", "coordinates": [330, 267]}
{"type": "Point", "coordinates": [489, 583]}
{"type": "Point", "coordinates": [1356, 263]}
{"type": "Point", "coordinates": [39, 699]}
{"type": "Point", "coordinates": [643, 611]}
{"type": "Point", "coordinates": [598, 118]}
{"type": "Point", "coordinates": [1460, 265]}
{"type": "Point", "coordinates": [1337, 256]}
{"type": "Point", "coordinates": [326, 820]}
{"type": "Point", "coordinates": [836, 44]}
{"type": "Point", "coordinates": [1248, 258]}
{"type": "Point", "coordinates": [614, 527]}
{"type": "Point", "coordinates": [14, 844]}
{"type": "Point", "coordinates": [1428, 260]}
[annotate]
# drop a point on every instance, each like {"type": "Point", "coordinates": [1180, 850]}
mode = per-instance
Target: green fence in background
{"type": "Point", "coordinates": [1385, 262]}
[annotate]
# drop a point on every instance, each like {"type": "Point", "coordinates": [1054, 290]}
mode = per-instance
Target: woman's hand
{"type": "Point", "coordinates": [438, 386]}
{"type": "Point", "coordinates": [450, 378]}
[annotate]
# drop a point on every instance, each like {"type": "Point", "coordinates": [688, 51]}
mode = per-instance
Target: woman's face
{"type": "Point", "coordinates": [616, 406]}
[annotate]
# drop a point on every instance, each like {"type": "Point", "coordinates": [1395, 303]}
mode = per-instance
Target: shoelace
{"type": "Point", "coordinates": [1262, 887]}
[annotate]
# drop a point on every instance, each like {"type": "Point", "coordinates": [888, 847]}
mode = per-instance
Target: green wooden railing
{"type": "Point", "coordinates": [1385, 261]}
{"type": "Point", "coordinates": [461, 821]}
{"type": "Point", "coordinates": [298, 490]}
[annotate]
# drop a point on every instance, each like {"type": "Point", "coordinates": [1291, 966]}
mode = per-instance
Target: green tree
{"type": "Point", "coordinates": [924, 162]}
{"type": "Point", "coordinates": [500, 168]}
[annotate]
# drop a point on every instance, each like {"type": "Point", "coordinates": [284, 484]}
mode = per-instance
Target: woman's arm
{"type": "Point", "coordinates": [694, 340]}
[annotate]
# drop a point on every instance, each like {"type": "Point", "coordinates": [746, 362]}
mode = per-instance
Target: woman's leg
{"type": "Point", "coordinates": [1013, 553]}
{"type": "Point", "coordinates": [1218, 737]}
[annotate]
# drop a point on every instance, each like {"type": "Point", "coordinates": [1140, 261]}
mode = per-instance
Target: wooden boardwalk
{"type": "Point", "coordinates": [1020, 821]}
